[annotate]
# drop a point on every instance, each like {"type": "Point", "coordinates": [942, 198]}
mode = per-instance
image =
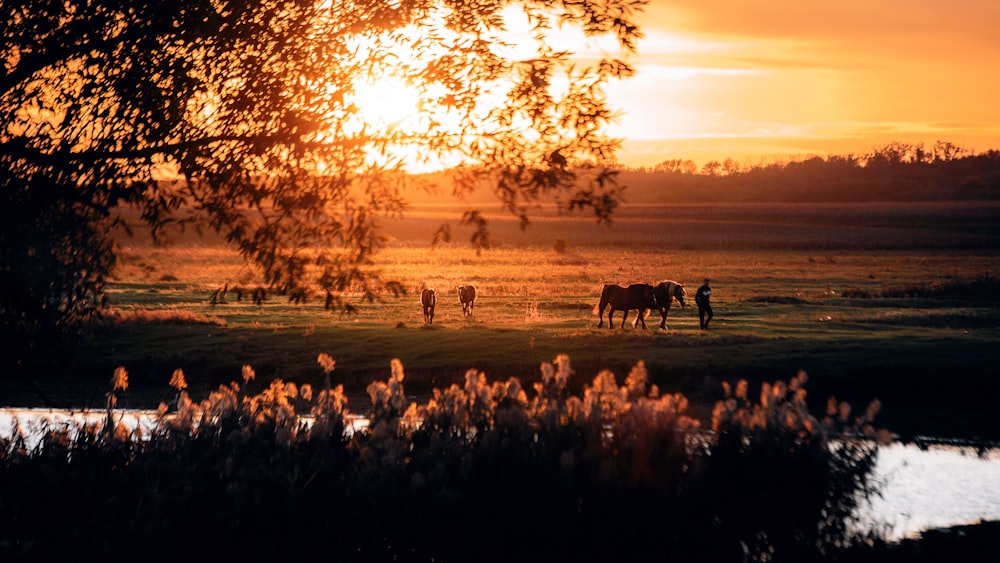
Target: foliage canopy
{"type": "Point", "coordinates": [248, 118]}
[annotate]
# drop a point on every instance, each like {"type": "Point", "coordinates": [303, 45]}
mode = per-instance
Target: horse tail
{"type": "Point", "coordinates": [599, 308]}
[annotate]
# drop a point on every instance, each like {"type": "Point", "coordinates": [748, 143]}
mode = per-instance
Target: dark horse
{"type": "Point", "coordinates": [637, 296]}
{"type": "Point", "coordinates": [665, 292]}
{"type": "Point", "coordinates": [467, 297]}
{"type": "Point", "coordinates": [428, 300]}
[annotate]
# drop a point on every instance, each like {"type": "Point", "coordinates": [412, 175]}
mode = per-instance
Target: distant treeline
{"type": "Point", "coordinates": [893, 172]}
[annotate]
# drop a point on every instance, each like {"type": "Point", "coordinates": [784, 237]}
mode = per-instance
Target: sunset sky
{"type": "Point", "coordinates": [762, 80]}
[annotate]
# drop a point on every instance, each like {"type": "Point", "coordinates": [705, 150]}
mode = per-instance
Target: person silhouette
{"type": "Point", "coordinates": [703, 298]}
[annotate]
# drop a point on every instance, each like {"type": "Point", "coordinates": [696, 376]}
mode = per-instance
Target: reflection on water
{"type": "Point", "coordinates": [33, 421]}
{"type": "Point", "coordinates": [920, 488]}
{"type": "Point", "coordinates": [933, 488]}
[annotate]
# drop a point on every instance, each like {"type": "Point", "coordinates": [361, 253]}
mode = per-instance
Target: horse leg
{"type": "Point", "coordinates": [663, 316]}
{"type": "Point", "coordinates": [600, 314]}
{"type": "Point", "coordinates": [624, 316]}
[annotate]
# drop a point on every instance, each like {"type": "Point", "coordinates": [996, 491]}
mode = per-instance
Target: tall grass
{"type": "Point", "coordinates": [482, 471]}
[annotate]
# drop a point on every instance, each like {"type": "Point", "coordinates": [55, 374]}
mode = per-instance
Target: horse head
{"type": "Point", "coordinates": [667, 291]}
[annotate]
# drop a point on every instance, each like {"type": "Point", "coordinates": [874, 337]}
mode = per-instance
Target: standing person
{"type": "Point", "coordinates": [703, 298]}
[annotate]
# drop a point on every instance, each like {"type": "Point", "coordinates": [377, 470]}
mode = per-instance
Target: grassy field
{"type": "Point", "coordinates": [780, 275]}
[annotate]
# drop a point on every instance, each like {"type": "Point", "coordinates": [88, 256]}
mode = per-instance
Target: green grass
{"type": "Point", "coordinates": [779, 273]}
{"type": "Point", "coordinates": [915, 357]}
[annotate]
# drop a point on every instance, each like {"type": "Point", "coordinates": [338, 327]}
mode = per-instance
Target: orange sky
{"type": "Point", "coordinates": [760, 80]}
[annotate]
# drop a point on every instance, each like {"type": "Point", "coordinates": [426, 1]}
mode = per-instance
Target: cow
{"type": "Point", "coordinates": [467, 297]}
{"type": "Point", "coordinates": [428, 300]}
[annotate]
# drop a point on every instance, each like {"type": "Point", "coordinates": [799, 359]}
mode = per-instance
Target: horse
{"type": "Point", "coordinates": [428, 300]}
{"type": "Point", "coordinates": [467, 297]}
{"type": "Point", "coordinates": [665, 292]}
{"type": "Point", "coordinates": [259, 295]}
{"type": "Point", "coordinates": [639, 296]}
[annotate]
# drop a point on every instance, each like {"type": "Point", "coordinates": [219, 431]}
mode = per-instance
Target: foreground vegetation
{"type": "Point", "coordinates": [479, 472]}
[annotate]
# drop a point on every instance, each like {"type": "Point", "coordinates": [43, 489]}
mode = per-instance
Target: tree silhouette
{"type": "Point", "coordinates": [247, 117]}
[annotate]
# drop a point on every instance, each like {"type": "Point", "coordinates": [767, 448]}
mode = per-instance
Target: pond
{"type": "Point", "coordinates": [934, 487]}
{"type": "Point", "coordinates": [921, 488]}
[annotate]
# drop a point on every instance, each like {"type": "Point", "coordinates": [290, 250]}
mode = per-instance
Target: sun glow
{"type": "Point", "coordinates": [387, 107]}
{"type": "Point", "coordinates": [386, 103]}
{"type": "Point", "coordinates": [393, 100]}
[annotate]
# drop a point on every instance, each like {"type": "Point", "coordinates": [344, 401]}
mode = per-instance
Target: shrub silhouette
{"type": "Point", "coordinates": [480, 472]}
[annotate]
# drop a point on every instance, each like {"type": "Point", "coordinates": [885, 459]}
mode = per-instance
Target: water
{"type": "Point", "coordinates": [33, 421]}
{"type": "Point", "coordinates": [933, 488]}
{"type": "Point", "coordinates": [920, 488]}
